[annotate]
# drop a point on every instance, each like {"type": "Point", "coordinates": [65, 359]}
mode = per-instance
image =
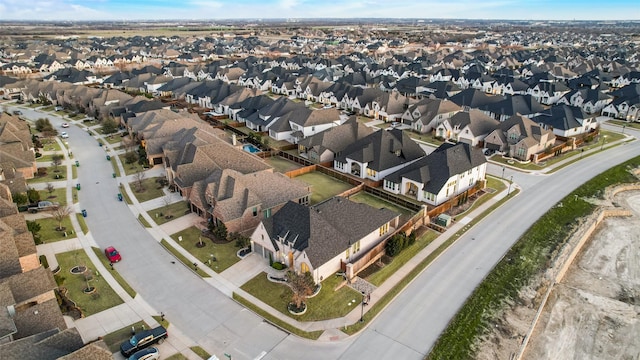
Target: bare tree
{"type": "Point", "coordinates": [59, 213]}
{"type": "Point", "coordinates": [139, 177]}
{"type": "Point", "coordinates": [50, 188]}
{"type": "Point", "coordinates": [302, 286]}
{"type": "Point", "coordinates": [56, 160]}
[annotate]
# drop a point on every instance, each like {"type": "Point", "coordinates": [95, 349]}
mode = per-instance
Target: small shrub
{"type": "Point", "coordinates": [278, 265]}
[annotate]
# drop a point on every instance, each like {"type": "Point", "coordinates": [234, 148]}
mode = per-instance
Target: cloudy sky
{"type": "Point", "coordinates": [264, 9]}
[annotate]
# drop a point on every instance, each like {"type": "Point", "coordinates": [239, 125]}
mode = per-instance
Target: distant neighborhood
{"type": "Point", "coordinates": [414, 123]}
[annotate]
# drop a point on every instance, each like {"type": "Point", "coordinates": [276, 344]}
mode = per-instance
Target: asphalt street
{"type": "Point", "coordinates": [406, 329]}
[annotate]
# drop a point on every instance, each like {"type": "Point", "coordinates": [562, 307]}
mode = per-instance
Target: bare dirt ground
{"type": "Point", "coordinates": [594, 313]}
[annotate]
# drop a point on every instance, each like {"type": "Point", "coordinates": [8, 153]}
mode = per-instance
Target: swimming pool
{"type": "Point", "coordinates": [250, 148]}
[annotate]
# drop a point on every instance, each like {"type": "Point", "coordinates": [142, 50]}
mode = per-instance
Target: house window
{"type": "Point", "coordinates": [255, 211]}
{"type": "Point", "coordinates": [267, 213]}
{"type": "Point", "coordinates": [521, 152]}
{"type": "Point", "coordinates": [371, 172]}
{"type": "Point", "coordinates": [513, 136]}
{"type": "Point", "coordinates": [348, 253]}
{"type": "Point", "coordinates": [384, 229]}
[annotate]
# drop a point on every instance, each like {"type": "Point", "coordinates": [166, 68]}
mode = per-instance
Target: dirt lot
{"type": "Point", "coordinates": [593, 313]}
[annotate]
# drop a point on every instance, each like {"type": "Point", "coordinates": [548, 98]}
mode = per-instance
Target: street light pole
{"type": "Point", "coordinates": [362, 308]}
{"type": "Point", "coordinates": [604, 139]}
{"type": "Point", "coordinates": [510, 182]}
{"type": "Point", "coordinates": [502, 177]}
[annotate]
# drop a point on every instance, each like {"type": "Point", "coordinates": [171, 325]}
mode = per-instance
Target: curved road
{"type": "Point", "coordinates": [406, 329]}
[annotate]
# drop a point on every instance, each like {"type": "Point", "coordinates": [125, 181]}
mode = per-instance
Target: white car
{"type": "Point", "coordinates": [64, 135]}
{"type": "Point", "coordinates": [65, 125]}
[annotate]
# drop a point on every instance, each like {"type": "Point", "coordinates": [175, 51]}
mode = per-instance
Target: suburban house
{"type": "Point", "coordinates": [378, 155]}
{"type": "Point", "coordinates": [590, 100]}
{"type": "Point", "coordinates": [324, 238]}
{"type": "Point", "coordinates": [470, 127]}
{"type": "Point", "coordinates": [520, 137]}
{"type": "Point", "coordinates": [425, 115]}
{"type": "Point", "coordinates": [187, 160]}
{"type": "Point", "coordinates": [262, 119]}
{"type": "Point", "coordinates": [548, 93]}
{"type": "Point", "coordinates": [240, 201]}
{"type": "Point", "coordinates": [297, 125]}
{"type": "Point", "coordinates": [16, 149]}
{"type": "Point", "coordinates": [31, 323]}
{"type": "Point", "coordinates": [447, 172]}
{"type": "Point", "coordinates": [323, 147]}
{"type": "Point", "coordinates": [524, 105]}
{"type": "Point", "coordinates": [566, 121]}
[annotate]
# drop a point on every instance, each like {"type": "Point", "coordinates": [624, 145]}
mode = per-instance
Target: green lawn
{"type": "Point", "coordinates": [74, 172]}
{"type": "Point", "coordinates": [114, 339]}
{"type": "Point", "coordinates": [173, 211]}
{"type": "Point", "coordinates": [383, 273]}
{"type": "Point", "coordinates": [632, 125]}
{"type": "Point", "coordinates": [115, 167]}
{"type": "Point", "coordinates": [200, 352]}
{"type": "Point", "coordinates": [49, 144]}
{"type": "Point", "coordinates": [114, 139]}
{"type": "Point", "coordinates": [58, 195]}
{"type": "Point", "coordinates": [150, 189]}
{"type": "Point", "coordinates": [328, 304]}
{"type": "Point", "coordinates": [323, 186]}
{"type": "Point", "coordinates": [47, 158]}
{"type": "Point", "coordinates": [282, 165]}
{"type": "Point", "coordinates": [225, 254]}
{"type": "Point", "coordinates": [129, 169]}
{"type": "Point", "coordinates": [116, 275]}
{"type": "Point", "coordinates": [182, 258]}
{"type": "Point", "coordinates": [51, 175]}
{"type": "Point", "coordinates": [102, 299]}
{"type": "Point", "coordinates": [83, 224]}
{"type": "Point", "coordinates": [144, 222]}
{"type": "Point", "coordinates": [428, 138]}
{"type": "Point", "coordinates": [376, 202]}
{"type": "Point", "coordinates": [48, 232]}
{"type": "Point", "coordinates": [125, 195]}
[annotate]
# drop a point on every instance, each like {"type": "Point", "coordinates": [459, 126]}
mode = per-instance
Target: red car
{"type": "Point", "coordinates": [112, 254]}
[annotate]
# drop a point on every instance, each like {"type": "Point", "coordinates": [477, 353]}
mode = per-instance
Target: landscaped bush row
{"type": "Point", "coordinates": [531, 255]}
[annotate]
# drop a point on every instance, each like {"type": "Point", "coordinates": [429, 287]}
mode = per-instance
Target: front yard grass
{"type": "Point", "coordinates": [169, 212]}
{"type": "Point", "coordinates": [177, 356]}
{"type": "Point", "coordinates": [102, 299]}
{"type": "Point", "coordinates": [58, 195]}
{"type": "Point", "coordinates": [129, 169]}
{"type": "Point", "coordinates": [225, 254]}
{"type": "Point", "coordinates": [323, 186]}
{"type": "Point", "coordinates": [50, 144]}
{"type": "Point", "coordinates": [116, 275]}
{"type": "Point", "coordinates": [329, 303]}
{"type": "Point", "coordinates": [114, 339]}
{"type": "Point", "coordinates": [142, 221]}
{"type": "Point", "coordinates": [183, 259]}
{"type": "Point", "coordinates": [51, 175]}
{"type": "Point", "coordinates": [427, 138]}
{"type": "Point", "coordinates": [48, 232]}
{"type": "Point", "coordinates": [148, 190]}
{"type": "Point", "coordinates": [282, 165]}
{"type": "Point", "coordinates": [115, 167]}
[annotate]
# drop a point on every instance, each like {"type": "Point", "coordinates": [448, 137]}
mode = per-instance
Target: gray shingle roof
{"type": "Point", "coordinates": [326, 229]}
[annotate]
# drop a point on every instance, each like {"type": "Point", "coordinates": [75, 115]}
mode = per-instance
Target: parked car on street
{"type": "Point", "coordinates": [151, 353]}
{"type": "Point", "coordinates": [65, 125]}
{"type": "Point", "coordinates": [112, 254]}
{"type": "Point", "coordinates": [142, 340]}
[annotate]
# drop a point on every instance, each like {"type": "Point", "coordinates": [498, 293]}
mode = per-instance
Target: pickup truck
{"type": "Point", "coordinates": [43, 206]}
{"type": "Point", "coordinates": [143, 339]}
